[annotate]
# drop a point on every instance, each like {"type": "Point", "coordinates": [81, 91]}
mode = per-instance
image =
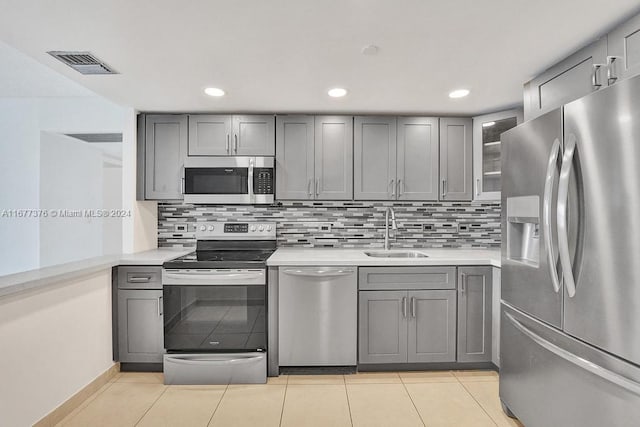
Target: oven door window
{"type": "Point", "coordinates": [216, 181]}
{"type": "Point", "coordinates": [214, 318]}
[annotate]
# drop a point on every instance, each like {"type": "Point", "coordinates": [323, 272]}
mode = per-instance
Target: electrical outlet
{"type": "Point", "coordinates": [427, 227]}
{"type": "Point", "coordinates": [463, 228]}
{"type": "Point", "coordinates": [325, 226]}
{"type": "Point", "coordinates": [181, 228]}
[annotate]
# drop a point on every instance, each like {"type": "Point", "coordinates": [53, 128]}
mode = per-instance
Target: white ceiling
{"type": "Point", "coordinates": [283, 55]}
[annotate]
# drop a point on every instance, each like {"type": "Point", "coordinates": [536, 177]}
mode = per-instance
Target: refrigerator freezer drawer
{"type": "Point", "coordinates": [215, 368]}
{"type": "Point", "coordinates": [550, 379]}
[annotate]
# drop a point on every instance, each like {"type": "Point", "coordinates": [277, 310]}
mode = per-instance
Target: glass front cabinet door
{"type": "Point", "coordinates": [487, 129]}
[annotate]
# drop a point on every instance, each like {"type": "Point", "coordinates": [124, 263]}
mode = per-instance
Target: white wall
{"type": "Point", "coordinates": [54, 342]}
{"type": "Point", "coordinates": [22, 122]}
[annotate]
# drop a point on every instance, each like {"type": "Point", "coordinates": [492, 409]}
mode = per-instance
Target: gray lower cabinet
{"type": "Point", "coordinates": [407, 326]}
{"type": "Point", "coordinates": [139, 314]}
{"type": "Point", "coordinates": [382, 335]}
{"type": "Point", "coordinates": [580, 74]}
{"type": "Point", "coordinates": [407, 315]}
{"type": "Point", "coordinates": [623, 51]}
{"type": "Point", "coordinates": [314, 157]}
{"type": "Point", "coordinates": [375, 158]}
{"type": "Point", "coordinates": [226, 135]}
{"type": "Point", "coordinates": [164, 152]}
{"type": "Point", "coordinates": [474, 314]}
{"type": "Point", "coordinates": [456, 166]}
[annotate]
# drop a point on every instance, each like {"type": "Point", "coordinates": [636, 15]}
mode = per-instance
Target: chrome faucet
{"type": "Point", "coordinates": [394, 226]}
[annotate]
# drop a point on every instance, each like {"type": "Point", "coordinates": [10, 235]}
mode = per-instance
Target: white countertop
{"type": "Point", "coordinates": [154, 256]}
{"type": "Point", "coordinates": [357, 257]}
{"type": "Point", "coordinates": [41, 277]}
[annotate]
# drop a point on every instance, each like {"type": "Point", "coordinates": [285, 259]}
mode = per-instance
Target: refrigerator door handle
{"type": "Point", "coordinates": [546, 214]}
{"type": "Point", "coordinates": [563, 200]}
{"type": "Point", "coordinates": [591, 367]}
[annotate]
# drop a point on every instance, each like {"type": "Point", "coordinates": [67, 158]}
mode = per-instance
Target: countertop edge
{"type": "Point", "coordinates": [44, 277]}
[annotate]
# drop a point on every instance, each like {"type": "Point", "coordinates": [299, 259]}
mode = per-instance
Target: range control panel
{"type": "Point", "coordinates": [235, 230]}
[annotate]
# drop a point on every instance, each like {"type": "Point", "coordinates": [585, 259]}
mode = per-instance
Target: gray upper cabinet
{"type": "Point", "coordinates": [225, 135]}
{"type": "Point", "coordinates": [456, 167]}
{"type": "Point", "coordinates": [576, 76]}
{"type": "Point", "coordinates": [375, 158]}
{"type": "Point", "coordinates": [382, 327]}
{"type": "Point", "coordinates": [432, 326]}
{"type": "Point", "coordinates": [314, 157]}
{"type": "Point", "coordinates": [209, 135]}
{"type": "Point", "coordinates": [333, 157]}
{"type": "Point", "coordinates": [295, 157]}
{"type": "Point", "coordinates": [165, 151]}
{"type": "Point", "coordinates": [623, 51]}
{"type": "Point", "coordinates": [253, 135]}
{"type": "Point", "coordinates": [417, 158]}
{"type": "Point", "coordinates": [474, 314]}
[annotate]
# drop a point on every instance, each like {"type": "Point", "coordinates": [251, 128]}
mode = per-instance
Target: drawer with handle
{"type": "Point", "coordinates": [137, 277]}
{"type": "Point", "coordinates": [393, 278]}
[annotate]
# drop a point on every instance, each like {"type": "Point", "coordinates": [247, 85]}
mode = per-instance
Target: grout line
{"type": "Point", "coordinates": [284, 401]}
{"type": "Point", "coordinates": [346, 391]}
{"type": "Point", "coordinates": [479, 404]}
{"type": "Point", "coordinates": [218, 405]}
{"type": "Point", "coordinates": [413, 403]}
{"type": "Point", "coordinates": [166, 387]}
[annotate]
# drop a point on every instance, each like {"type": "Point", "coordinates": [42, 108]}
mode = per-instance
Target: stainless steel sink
{"type": "Point", "coordinates": [395, 254]}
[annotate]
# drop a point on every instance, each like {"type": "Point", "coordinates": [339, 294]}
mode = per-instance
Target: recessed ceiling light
{"type": "Point", "coordinates": [214, 91]}
{"type": "Point", "coordinates": [488, 124]}
{"type": "Point", "coordinates": [459, 93]}
{"type": "Point", "coordinates": [337, 92]}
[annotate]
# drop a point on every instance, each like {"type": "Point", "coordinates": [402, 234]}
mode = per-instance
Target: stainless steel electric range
{"type": "Point", "coordinates": [215, 328]}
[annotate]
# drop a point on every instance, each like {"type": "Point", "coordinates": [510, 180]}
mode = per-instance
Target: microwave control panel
{"type": "Point", "coordinates": [263, 181]}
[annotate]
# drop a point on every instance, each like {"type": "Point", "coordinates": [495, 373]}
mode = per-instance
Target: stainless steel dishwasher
{"type": "Point", "coordinates": [318, 317]}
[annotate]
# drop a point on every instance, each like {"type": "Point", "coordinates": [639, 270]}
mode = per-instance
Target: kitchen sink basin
{"type": "Point", "coordinates": [396, 254]}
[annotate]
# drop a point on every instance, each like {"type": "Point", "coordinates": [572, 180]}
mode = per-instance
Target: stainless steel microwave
{"type": "Point", "coordinates": [229, 180]}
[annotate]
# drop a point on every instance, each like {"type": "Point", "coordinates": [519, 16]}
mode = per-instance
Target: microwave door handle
{"type": "Point", "coordinates": [250, 183]}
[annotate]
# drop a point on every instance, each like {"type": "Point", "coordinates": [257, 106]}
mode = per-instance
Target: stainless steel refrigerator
{"type": "Point", "coordinates": [570, 311]}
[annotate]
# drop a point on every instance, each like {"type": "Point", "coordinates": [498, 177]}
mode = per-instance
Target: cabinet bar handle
{"type": "Point", "coordinates": [444, 187]}
{"type": "Point", "coordinates": [139, 279]}
{"type": "Point", "coordinates": [393, 188]}
{"type": "Point", "coordinates": [477, 186]}
{"type": "Point", "coordinates": [463, 282]}
{"type": "Point", "coordinates": [159, 306]}
{"type": "Point", "coordinates": [309, 187]}
{"type": "Point", "coordinates": [228, 144]}
{"type": "Point", "coordinates": [318, 187]}
{"type": "Point", "coordinates": [595, 76]}
{"type": "Point", "coordinates": [612, 75]}
{"type": "Point", "coordinates": [413, 307]}
{"type": "Point", "coordinates": [400, 187]}
{"type": "Point", "coordinates": [235, 143]}
{"type": "Point", "coordinates": [404, 307]}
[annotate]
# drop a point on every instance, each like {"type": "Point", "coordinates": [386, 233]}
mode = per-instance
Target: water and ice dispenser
{"type": "Point", "coordinates": [523, 229]}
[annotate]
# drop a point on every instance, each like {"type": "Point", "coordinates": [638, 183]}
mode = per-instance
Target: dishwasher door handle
{"type": "Point", "coordinates": [319, 272]}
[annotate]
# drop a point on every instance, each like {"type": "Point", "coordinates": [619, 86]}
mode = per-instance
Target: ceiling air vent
{"type": "Point", "coordinates": [83, 62]}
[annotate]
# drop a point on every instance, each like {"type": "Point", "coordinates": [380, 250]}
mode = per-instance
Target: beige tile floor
{"type": "Point", "coordinates": [439, 399]}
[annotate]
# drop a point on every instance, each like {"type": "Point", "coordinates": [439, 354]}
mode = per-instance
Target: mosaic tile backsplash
{"type": "Point", "coordinates": [348, 224]}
